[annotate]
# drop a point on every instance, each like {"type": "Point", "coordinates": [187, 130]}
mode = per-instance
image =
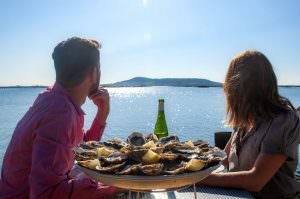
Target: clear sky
{"type": "Point", "coordinates": [152, 38]}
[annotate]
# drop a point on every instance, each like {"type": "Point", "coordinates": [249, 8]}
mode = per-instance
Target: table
{"type": "Point", "coordinates": [203, 192]}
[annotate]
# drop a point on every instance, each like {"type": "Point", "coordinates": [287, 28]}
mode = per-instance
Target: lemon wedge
{"type": "Point", "coordinates": [189, 143]}
{"type": "Point", "coordinates": [150, 157]}
{"type": "Point", "coordinates": [104, 151]}
{"type": "Point", "coordinates": [149, 145]}
{"type": "Point", "coordinates": [195, 165]}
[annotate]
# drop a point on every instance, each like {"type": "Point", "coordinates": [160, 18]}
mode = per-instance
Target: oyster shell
{"type": "Point", "coordinates": [174, 168]}
{"type": "Point", "coordinates": [152, 169]}
{"type": "Point", "coordinates": [201, 143]}
{"type": "Point", "coordinates": [90, 145]}
{"type": "Point", "coordinates": [116, 143]}
{"type": "Point", "coordinates": [114, 158]}
{"type": "Point", "coordinates": [151, 137]}
{"type": "Point", "coordinates": [186, 149]}
{"type": "Point", "coordinates": [129, 169]}
{"type": "Point", "coordinates": [110, 168]}
{"type": "Point", "coordinates": [136, 139]}
{"type": "Point", "coordinates": [169, 138]}
{"type": "Point", "coordinates": [136, 155]}
{"type": "Point", "coordinates": [168, 157]}
{"type": "Point", "coordinates": [170, 145]}
{"type": "Point", "coordinates": [91, 164]}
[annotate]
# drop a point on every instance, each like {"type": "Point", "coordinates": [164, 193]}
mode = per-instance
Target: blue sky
{"type": "Point", "coordinates": [153, 38]}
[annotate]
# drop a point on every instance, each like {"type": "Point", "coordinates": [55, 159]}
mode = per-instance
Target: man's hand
{"type": "Point", "coordinates": [101, 100]}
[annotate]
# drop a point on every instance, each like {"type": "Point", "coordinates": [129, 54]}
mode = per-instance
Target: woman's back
{"type": "Point", "coordinates": [280, 135]}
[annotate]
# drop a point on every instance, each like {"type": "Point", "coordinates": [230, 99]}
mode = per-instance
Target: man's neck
{"type": "Point", "coordinates": [78, 95]}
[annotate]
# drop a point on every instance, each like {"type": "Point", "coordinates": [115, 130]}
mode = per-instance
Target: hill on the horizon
{"type": "Point", "coordinates": [178, 82]}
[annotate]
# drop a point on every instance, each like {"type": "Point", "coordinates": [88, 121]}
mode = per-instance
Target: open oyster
{"type": "Point", "coordinates": [136, 139]}
{"type": "Point", "coordinates": [169, 138]}
{"type": "Point", "coordinates": [91, 164]}
{"type": "Point", "coordinates": [200, 143]}
{"type": "Point", "coordinates": [110, 168]}
{"type": "Point", "coordinates": [114, 158]}
{"type": "Point", "coordinates": [152, 169]}
{"type": "Point", "coordinates": [116, 143]}
{"type": "Point", "coordinates": [129, 169]}
{"type": "Point", "coordinates": [151, 137]}
{"type": "Point", "coordinates": [174, 168]}
{"type": "Point", "coordinates": [90, 145]}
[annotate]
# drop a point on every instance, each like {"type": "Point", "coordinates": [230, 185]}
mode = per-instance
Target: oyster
{"type": "Point", "coordinates": [168, 157]}
{"type": "Point", "coordinates": [158, 149]}
{"type": "Point", "coordinates": [136, 155]}
{"type": "Point", "coordinates": [169, 138]}
{"type": "Point", "coordinates": [129, 169]}
{"type": "Point", "coordinates": [170, 145]}
{"type": "Point", "coordinates": [186, 149]}
{"type": "Point", "coordinates": [116, 143]}
{"type": "Point", "coordinates": [200, 143]}
{"type": "Point", "coordinates": [174, 168]}
{"type": "Point", "coordinates": [136, 139]}
{"type": "Point", "coordinates": [151, 137]}
{"type": "Point", "coordinates": [90, 145]}
{"type": "Point", "coordinates": [110, 168]}
{"type": "Point", "coordinates": [152, 169]}
{"type": "Point", "coordinates": [91, 164]}
{"type": "Point", "coordinates": [114, 158]}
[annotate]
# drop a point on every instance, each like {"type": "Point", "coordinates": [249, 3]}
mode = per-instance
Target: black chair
{"type": "Point", "coordinates": [221, 139]}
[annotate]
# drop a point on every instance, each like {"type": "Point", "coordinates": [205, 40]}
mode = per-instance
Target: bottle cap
{"type": "Point", "coordinates": [161, 100]}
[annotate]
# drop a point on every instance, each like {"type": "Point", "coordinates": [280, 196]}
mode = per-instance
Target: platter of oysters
{"type": "Point", "coordinates": [144, 163]}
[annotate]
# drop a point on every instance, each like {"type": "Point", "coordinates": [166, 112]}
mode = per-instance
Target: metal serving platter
{"type": "Point", "coordinates": [150, 183]}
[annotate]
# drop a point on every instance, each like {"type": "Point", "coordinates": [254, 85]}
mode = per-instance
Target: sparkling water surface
{"type": "Point", "coordinates": [191, 113]}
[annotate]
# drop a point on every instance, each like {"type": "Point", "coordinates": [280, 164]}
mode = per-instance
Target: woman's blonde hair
{"type": "Point", "coordinates": [251, 91]}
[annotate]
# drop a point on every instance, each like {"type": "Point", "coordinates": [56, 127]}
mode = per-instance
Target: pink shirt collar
{"type": "Point", "coordinates": [57, 87]}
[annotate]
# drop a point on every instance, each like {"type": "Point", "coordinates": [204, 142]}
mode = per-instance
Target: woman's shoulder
{"type": "Point", "coordinates": [287, 119]}
{"type": "Point", "coordinates": [283, 135]}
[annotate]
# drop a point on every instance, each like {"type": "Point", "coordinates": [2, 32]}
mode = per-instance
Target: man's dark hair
{"type": "Point", "coordinates": [74, 58]}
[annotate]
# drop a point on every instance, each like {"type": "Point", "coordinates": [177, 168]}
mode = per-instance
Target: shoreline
{"type": "Point", "coordinates": [280, 86]}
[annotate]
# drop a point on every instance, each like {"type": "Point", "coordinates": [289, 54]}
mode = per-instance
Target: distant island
{"type": "Point", "coordinates": [176, 82]}
{"type": "Point", "coordinates": [145, 82]}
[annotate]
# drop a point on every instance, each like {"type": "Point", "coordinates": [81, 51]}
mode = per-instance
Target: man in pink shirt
{"type": "Point", "coordinates": [39, 158]}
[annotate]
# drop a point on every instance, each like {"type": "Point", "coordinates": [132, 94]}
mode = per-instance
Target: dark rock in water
{"type": "Point", "coordinates": [136, 139]}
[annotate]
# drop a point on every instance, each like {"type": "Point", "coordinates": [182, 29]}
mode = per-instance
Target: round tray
{"type": "Point", "coordinates": [149, 183]}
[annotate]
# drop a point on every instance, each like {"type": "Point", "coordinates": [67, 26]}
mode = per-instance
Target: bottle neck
{"type": "Point", "coordinates": [161, 106]}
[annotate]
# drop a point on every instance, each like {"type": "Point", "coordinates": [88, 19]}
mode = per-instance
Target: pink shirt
{"type": "Point", "coordinates": [39, 155]}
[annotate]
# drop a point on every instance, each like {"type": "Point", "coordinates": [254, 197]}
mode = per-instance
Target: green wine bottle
{"type": "Point", "coordinates": [161, 129]}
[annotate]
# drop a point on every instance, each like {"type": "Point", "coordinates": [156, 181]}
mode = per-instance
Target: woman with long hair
{"type": "Point", "coordinates": [262, 153]}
